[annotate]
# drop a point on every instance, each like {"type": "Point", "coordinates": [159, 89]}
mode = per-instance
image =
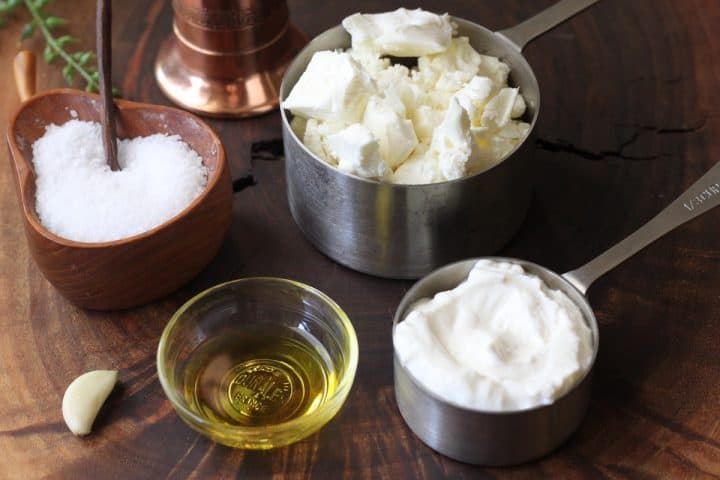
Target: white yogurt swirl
{"type": "Point", "coordinates": [502, 340]}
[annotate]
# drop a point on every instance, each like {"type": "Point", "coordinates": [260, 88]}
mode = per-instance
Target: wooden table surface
{"type": "Point", "coordinates": [630, 118]}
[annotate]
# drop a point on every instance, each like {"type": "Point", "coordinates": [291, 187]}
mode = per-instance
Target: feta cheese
{"type": "Point", "coordinates": [498, 111]}
{"type": "Point", "coordinates": [494, 145]}
{"type": "Point", "coordinates": [514, 130]}
{"type": "Point", "coordinates": [313, 140]}
{"type": "Point", "coordinates": [451, 68]}
{"type": "Point", "coordinates": [370, 61]}
{"type": "Point", "coordinates": [425, 119]}
{"type": "Point", "coordinates": [453, 144]}
{"type": "Point", "coordinates": [518, 109]}
{"type": "Point", "coordinates": [298, 124]}
{"type": "Point", "coordinates": [439, 99]}
{"type": "Point", "coordinates": [451, 116]}
{"type": "Point", "coordinates": [402, 33]}
{"type": "Point", "coordinates": [394, 133]}
{"type": "Point", "coordinates": [494, 68]}
{"type": "Point", "coordinates": [357, 152]}
{"type": "Point", "coordinates": [473, 97]}
{"type": "Point", "coordinates": [395, 81]}
{"type": "Point", "coordinates": [315, 137]}
{"type": "Point", "coordinates": [418, 169]}
{"type": "Point", "coordinates": [500, 147]}
{"type": "Point", "coordinates": [333, 87]}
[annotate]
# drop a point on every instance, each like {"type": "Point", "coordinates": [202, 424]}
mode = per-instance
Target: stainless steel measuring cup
{"type": "Point", "coordinates": [506, 438]}
{"type": "Point", "coordinates": [406, 231]}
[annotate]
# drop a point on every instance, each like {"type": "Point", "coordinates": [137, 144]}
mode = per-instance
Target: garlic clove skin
{"type": "Point", "coordinates": [84, 397]}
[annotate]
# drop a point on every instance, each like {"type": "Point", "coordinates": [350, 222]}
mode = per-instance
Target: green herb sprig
{"type": "Point", "coordinates": [75, 63]}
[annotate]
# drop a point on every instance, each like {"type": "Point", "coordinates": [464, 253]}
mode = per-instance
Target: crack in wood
{"type": "Point", "coordinates": [273, 149]}
{"type": "Point", "coordinates": [561, 145]}
{"type": "Point", "coordinates": [267, 150]}
{"type": "Point", "coordinates": [54, 427]}
{"type": "Point", "coordinates": [565, 146]}
{"type": "Point", "coordinates": [241, 183]}
{"type": "Point", "coordinates": [669, 130]}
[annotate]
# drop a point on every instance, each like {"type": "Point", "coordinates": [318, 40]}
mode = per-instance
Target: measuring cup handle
{"type": "Point", "coordinates": [521, 34]}
{"type": "Point", "coordinates": [702, 196]}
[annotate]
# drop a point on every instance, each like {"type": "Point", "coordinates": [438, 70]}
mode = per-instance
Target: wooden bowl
{"type": "Point", "coordinates": [138, 269]}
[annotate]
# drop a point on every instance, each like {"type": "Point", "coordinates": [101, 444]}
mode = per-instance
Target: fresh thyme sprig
{"type": "Point", "coordinates": [76, 63]}
{"type": "Point", "coordinates": [6, 7]}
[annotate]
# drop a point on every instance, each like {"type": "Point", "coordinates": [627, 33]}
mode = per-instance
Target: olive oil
{"type": "Point", "coordinates": [259, 376]}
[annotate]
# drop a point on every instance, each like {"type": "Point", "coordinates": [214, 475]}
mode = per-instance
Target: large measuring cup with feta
{"type": "Point", "coordinates": [493, 357]}
{"type": "Point", "coordinates": [394, 170]}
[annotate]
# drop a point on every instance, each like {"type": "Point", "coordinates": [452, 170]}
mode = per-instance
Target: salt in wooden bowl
{"type": "Point", "coordinates": [135, 270]}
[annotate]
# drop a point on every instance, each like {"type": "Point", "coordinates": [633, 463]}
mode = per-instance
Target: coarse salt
{"type": "Point", "coordinates": [79, 198]}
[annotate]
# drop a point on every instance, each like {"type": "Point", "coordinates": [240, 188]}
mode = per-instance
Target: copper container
{"type": "Point", "coordinates": [226, 58]}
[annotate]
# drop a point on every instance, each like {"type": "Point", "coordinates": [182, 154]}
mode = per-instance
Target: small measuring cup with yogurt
{"type": "Point", "coordinates": [493, 356]}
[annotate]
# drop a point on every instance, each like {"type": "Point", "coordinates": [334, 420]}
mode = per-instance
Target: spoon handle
{"type": "Point", "coordinates": [103, 36]}
{"type": "Point", "coordinates": [525, 31]}
{"type": "Point", "coordinates": [24, 69]}
{"type": "Point", "coordinates": [702, 196]}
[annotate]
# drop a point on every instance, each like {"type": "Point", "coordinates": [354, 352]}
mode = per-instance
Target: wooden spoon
{"type": "Point", "coordinates": [103, 28]}
{"type": "Point", "coordinates": [24, 69]}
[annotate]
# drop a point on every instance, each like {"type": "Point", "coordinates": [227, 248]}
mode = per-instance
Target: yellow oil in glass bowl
{"type": "Point", "coordinates": [259, 362]}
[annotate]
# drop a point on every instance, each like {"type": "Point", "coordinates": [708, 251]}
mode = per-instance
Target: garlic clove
{"type": "Point", "coordinates": [84, 397]}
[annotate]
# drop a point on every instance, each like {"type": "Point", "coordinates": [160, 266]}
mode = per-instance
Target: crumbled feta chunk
{"type": "Point", "coordinates": [514, 130]}
{"type": "Point", "coordinates": [499, 109]}
{"type": "Point", "coordinates": [494, 68]}
{"type": "Point", "coordinates": [418, 169]}
{"type": "Point", "coordinates": [298, 124]}
{"type": "Point", "coordinates": [315, 137]}
{"type": "Point", "coordinates": [493, 145]}
{"type": "Point", "coordinates": [425, 119]}
{"type": "Point", "coordinates": [370, 61]}
{"type": "Point", "coordinates": [395, 81]}
{"type": "Point", "coordinates": [452, 143]}
{"type": "Point", "coordinates": [356, 151]}
{"type": "Point", "coordinates": [451, 68]}
{"type": "Point", "coordinates": [473, 97]}
{"type": "Point", "coordinates": [518, 109]}
{"type": "Point", "coordinates": [394, 133]}
{"type": "Point", "coordinates": [402, 33]}
{"type": "Point", "coordinates": [333, 87]}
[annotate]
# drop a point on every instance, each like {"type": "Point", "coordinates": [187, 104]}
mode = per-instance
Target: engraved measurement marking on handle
{"type": "Point", "coordinates": [698, 199]}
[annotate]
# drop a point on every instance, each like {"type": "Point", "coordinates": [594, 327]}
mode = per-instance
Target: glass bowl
{"type": "Point", "coordinates": [258, 363]}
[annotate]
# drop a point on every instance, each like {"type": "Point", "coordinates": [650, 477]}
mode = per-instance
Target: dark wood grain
{"type": "Point", "coordinates": [630, 118]}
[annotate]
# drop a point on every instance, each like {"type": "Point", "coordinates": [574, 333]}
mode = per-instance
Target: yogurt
{"type": "Point", "coordinates": [502, 340]}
